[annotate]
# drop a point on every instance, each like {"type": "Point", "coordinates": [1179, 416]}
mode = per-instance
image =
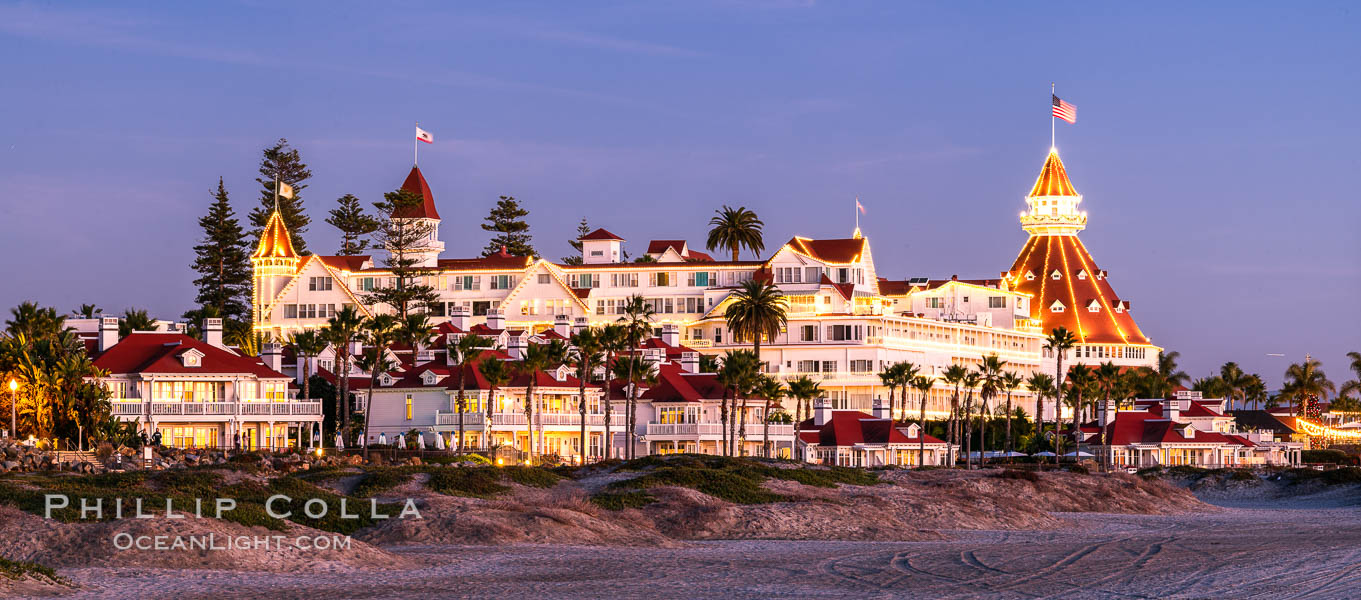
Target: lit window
{"type": "Point", "coordinates": [408, 407]}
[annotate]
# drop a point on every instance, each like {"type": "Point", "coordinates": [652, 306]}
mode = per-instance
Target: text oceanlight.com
{"type": "Point", "coordinates": [212, 541]}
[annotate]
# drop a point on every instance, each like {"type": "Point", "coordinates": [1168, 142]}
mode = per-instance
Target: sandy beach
{"type": "Point", "coordinates": [1276, 550]}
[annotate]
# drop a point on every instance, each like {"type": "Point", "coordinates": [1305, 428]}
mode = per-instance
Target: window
{"type": "Point", "coordinates": [408, 407]}
{"type": "Point", "coordinates": [997, 302]}
{"type": "Point", "coordinates": [718, 335]}
{"type": "Point", "coordinates": [699, 279]}
{"type": "Point", "coordinates": [843, 276]}
{"type": "Point", "coordinates": [436, 309]}
{"type": "Point", "coordinates": [583, 280]}
{"type": "Point", "coordinates": [1056, 275]}
{"type": "Point", "coordinates": [544, 279]}
{"type": "Point", "coordinates": [828, 366]}
{"type": "Point", "coordinates": [467, 282]}
{"type": "Point", "coordinates": [862, 366]}
{"type": "Point", "coordinates": [624, 280]}
{"type": "Point", "coordinates": [290, 311]}
{"type": "Point", "coordinates": [788, 275]}
{"type": "Point", "coordinates": [501, 282]}
{"type": "Point", "coordinates": [319, 284]}
{"type": "Point", "coordinates": [808, 333]}
{"type": "Point", "coordinates": [812, 274]}
{"type": "Point", "coordinates": [597, 253]}
{"type": "Point", "coordinates": [481, 308]}
{"type": "Point", "coordinates": [808, 366]}
{"type": "Point", "coordinates": [1056, 307]}
{"type": "Point", "coordinates": [663, 279]}
{"type": "Point", "coordinates": [844, 332]}
{"type": "Point", "coordinates": [935, 302]}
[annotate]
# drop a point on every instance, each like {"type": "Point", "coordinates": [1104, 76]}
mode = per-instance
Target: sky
{"type": "Point", "coordinates": [1216, 146]}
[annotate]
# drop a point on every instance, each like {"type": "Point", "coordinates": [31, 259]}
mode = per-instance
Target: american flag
{"type": "Point", "coordinates": [1064, 110]}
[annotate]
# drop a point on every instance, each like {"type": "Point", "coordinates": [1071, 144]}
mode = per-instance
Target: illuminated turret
{"type": "Point", "coordinates": [274, 264]}
{"type": "Point", "coordinates": [427, 254]}
{"type": "Point", "coordinates": [1053, 202]}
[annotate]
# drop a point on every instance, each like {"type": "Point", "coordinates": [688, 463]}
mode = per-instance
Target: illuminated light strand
{"type": "Point", "coordinates": [1079, 250]}
{"type": "Point", "coordinates": [1317, 430]}
{"type": "Point", "coordinates": [1077, 314]}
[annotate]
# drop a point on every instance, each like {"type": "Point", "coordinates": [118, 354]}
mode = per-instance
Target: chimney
{"type": "Point", "coordinates": [496, 319]}
{"type": "Point", "coordinates": [880, 409]}
{"type": "Point", "coordinates": [212, 332]}
{"type": "Point", "coordinates": [822, 412]}
{"type": "Point", "coordinates": [671, 334]}
{"type": "Point", "coordinates": [516, 348]}
{"type": "Point", "coordinates": [690, 362]}
{"type": "Point", "coordinates": [1171, 409]}
{"type": "Point", "coordinates": [580, 324]}
{"type": "Point", "coordinates": [108, 333]}
{"type": "Point", "coordinates": [273, 355]}
{"type": "Point", "coordinates": [562, 325]}
{"type": "Point", "coordinates": [459, 318]}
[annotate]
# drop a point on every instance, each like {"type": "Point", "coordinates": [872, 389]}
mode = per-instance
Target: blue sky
{"type": "Point", "coordinates": [1216, 145]}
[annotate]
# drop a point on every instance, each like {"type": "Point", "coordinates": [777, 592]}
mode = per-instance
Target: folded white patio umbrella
{"type": "Point", "coordinates": [420, 441]}
{"type": "Point", "coordinates": [382, 439]}
{"type": "Point", "coordinates": [439, 441]}
{"type": "Point", "coordinates": [340, 441]}
{"type": "Point", "coordinates": [401, 442]}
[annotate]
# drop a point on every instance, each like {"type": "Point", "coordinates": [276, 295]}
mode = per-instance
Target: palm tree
{"type": "Point", "coordinates": [1042, 385]}
{"type": "Point", "coordinates": [1234, 381]}
{"type": "Point", "coordinates": [586, 354]}
{"type": "Point", "coordinates": [735, 228]}
{"type": "Point", "coordinates": [462, 355]}
{"type": "Point", "coordinates": [1107, 380]}
{"type": "Point", "coordinates": [87, 311]}
{"type": "Point", "coordinates": [971, 381]}
{"type": "Point", "coordinates": [536, 358]}
{"type": "Point", "coordinates": [708, 363]}
{"type": "Point", "coordinates": [736, 375]}
{"type": "Point", "coordinates": [637, 322]}
{"type": "Point", "coordinates": [906, 373]}
{"type": "Point", "coordinates": [134, 320]}
{"type": "Point", "coordinates": [748, 382]}
{"type": "Point", "coordinates": [307, 344]}
{"type": "Point", "coordinates": [757, 310]}
{"type": "Point", "coordinates": [1254, 392]}
{"type": "Point", "coordinates": [773, 391]}
{"type": "Point", "coordinates": [612, 341]}
{"type": "Point", "coordinates": [633, 370]}
{"type": "Point", "coordinates": [890, 377]}
{"type": "Point", "coordinates": [923, 384]}
{"type": "Point", "coordinates": [1010, 381]}
{"type": "Point", "coordinates": [1307, 381]}
{"type": "Point", "coordinates": [378, 331]}
{"type": "Point", "coordinates": [497, 374]}
{"type": "Point", "coordinates": [1354, 386]}
{"type": "Point", "coordinates": [990, 378]}
{"type": "Point", "coordinates": [373, 359]}
{"type": "Point", "coordinates": [954, 376]}
{"type": "Point", "coordinates": [1080, 378]}
{"type": "Point", "coordinates": [803, 389]}
{"type": "Point", "coordinates": [340, 330]}
{"type": "Point", "coordinates": [1168, 374]}
{"type": "Point", "coordinates": [415, 332]}
{"type": "Point", "coordinates": [1059, 341]}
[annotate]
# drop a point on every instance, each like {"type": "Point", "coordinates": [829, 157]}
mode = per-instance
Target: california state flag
{"type": "Point", "coordinates": [424, 136]}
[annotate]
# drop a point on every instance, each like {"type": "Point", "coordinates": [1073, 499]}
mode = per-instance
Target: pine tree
{"type": "Point", "coordinates": [282, 163]}
{"type": "Point", "coordinates": [400, 237]}
{"type": "Point", "coordinates": [582, 230]}
{"type": "Point", "coordinates": [354, 225]}
{"type": "Point", "coordinates": [512, 232]}
{"type": "Point", "coordinates": [223, 260]}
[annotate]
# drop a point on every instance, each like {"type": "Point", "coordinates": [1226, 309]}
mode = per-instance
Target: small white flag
{"type": "Point", "coordinates": [285, 190]}
{"type": "Point", "coordinates": [424, 136]}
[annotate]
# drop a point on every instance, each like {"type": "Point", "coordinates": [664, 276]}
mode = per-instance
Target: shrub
{"type": "Point", "coordinates": [1079, 469]}
{"type": "Point", "coordinates": [532, 476]}
{"type": "Point", "coordinates": [1243, 475]}
{"type": "Point", "coordinates": [472, 482]}
{"type": "Point", "coordinates": [1187, 471]}
{"type": "Point", "coordinates": [1018, 474]}
{"type": "Point", "coordinates": [16, 569]}
{"type": "Point", "coordinates": [1328, 455]}
{"type": "Point", "coordinates": [623, 500]}
{"type": "Point", "coordinates": [826, 478]}
{"type": "Point", "coordinates": [381, 480]}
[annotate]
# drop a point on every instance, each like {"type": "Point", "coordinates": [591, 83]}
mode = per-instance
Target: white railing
{"type": "Point", "coordinates": [219, 409]}
{"type": "Point", "coordinates": [470, 419]}
{"type": "Point", "coordinates": [829, 375]}
{"type": "Point", "coordinates": [133, 408]}
{"type": "Point", "coordinates": [714, 430]}
{"type": "Point", "coordinates": [546, 419]}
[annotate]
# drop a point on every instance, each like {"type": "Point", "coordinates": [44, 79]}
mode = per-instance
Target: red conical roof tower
{"type": "Point", "coordinates": [415, 183]}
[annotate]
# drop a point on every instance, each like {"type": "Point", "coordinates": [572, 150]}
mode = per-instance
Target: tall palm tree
{"type": "Point", "coordinates": [758, 310]}
{"type": "Point", "coordinates": [751, 378]}
{"type": "Point", "coordinates": [1354, 386]}
{"type": "Point", "coordinates": [613, 342]}
{"type": "Point", "coordinates": [906, 373]}
{"type": "Point", "coordinates": [774, 392]}
{"type": "Point", "coordinates": [586, 354]}
{"type": "Point", "coordinates": [923, 385]}
{"type": "Point", "coordinates": [971, 381]}
{"type": "Point", "coordinates": [803, 389]}
{"type": "Point", "coordinates": [375, 360]}
{"type": "Point", "coordinates": [1254, 392]}
{"type": "Point", "coordinates": [1010, 381]}
{"type": "Point", "coordinates": [1042, 385]}
{"type": "Point", "coordinates": [135, 319]}
{"type": "Point", "coordinates": [890, 377]}
{"type": "Point", "coordinates": [536, 359]}
{"type": "Point", "coordinates": [990, 379]}
{"type": "Point", "coordinates": [462, 355]}
{"type": "Point", "coordinates": [86, 311]}
{"type": "Point", "coordinates": [954, 375]}
{"type": "Point", "coordinates": [1059, 341]}
{"type": "Point", "coordinates": [307, 344]}
{"type": "Point", "coordinates": [1080, 378]}
{"type": "Point", "coordinates": [497, 374]}
{"type": "Point", "coordinates": [1305, 381]}
{"type": "Point", "coordinates": [637, 322]}
{"type": "Point", "coordinates": [340, 330]}
{"type": "Point", "coordinates": [1234, 381]}
{"type": "Point", "coordinates": [734, 228]}
{"type": "Point", "coordinates": [1168, 373]}
{"type": "Point", "coordinates": [730, 377]}
{"type": "Point", "coordinates": [1107, 380]}
{"type": "Point", "coordinates": [415, 330]}
{"type": "Point", "coordinates": [633, 370]}
{"type": "Point", "coordinates": [737, 373]}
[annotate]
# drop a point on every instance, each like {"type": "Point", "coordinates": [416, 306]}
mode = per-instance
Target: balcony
{"type": "Point", "coordinates": [713, 430]}
{"type": "Point", "coordinates": [162, 408]}
{"type": "Point", "coordinates": [517, 419]}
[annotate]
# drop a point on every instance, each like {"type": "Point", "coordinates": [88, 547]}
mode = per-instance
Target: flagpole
{"type": "Point", "coordinates": [857, 212]}
{"type": "Point", "coordinates": [276, 192]}
{"type": "Point", "coordinates": [416, 148]}
{"type": "Point", "coordinates": [1051, 115]}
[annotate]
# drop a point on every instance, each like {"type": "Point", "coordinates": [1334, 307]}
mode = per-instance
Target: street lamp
{"type": "Point", "coordinates": [13, 400]}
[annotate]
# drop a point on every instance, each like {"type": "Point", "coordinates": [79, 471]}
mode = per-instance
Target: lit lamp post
{"type": "Point", "coordinates": [13, 401]}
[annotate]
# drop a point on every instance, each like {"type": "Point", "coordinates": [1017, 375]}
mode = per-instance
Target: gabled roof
{"type": "Point", "coordinates": [660, 246]}
{"type": "Point", "coordinates": [415, 183]}
{"type": "Point", "coordinates": [345, 263]}
{"type": "Point", "coordinates": [1053, 179]}
{"type": "Point", "coordinates": [842, 251]}
{"type": "Point", "coordinates": [601, 234]}
{"type": "Point", "coordinates": [1146, 427]}
{"type": "Point", "coordinates": [151, 352]}
{"type": "Point", "coordinates": [851, 427]}
{"type": "Point", "coordinates": [675, 385]}
{"type": "Point", "coordinates": [274, 239]}
{"type": "Point", "coordinates": [498, 261]}
{"type": "Point", "coordinates": [847, 290]}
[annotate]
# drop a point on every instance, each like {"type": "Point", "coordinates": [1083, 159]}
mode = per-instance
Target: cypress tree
{"type": "Point", "coordinates": [512, 232]}
{"type": "Point", "coordinates": [222, 260]}
{"type": "Point", "coordinates": [283, 163]}
{"type": "Point", "coordinates": [400, 237]}
{"type": "Point", "coordinates": [354, 225]}
{"type": "Point", "coordinates": [582, 230]}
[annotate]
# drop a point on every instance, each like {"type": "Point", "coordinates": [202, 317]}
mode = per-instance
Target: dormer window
{"type": "Point", "coordinates": [429, 378]}
{"type": "Point", "coordinates": [1082, 274]}
{"type": "Point", "coordinates": [1056, 307]}
{"type": "Point", "coordinates": [1056, 275]}
{"type": "Point", "coordinates": [913, 430]}
{"type": "Point", "coordinates": [192, 359]}
{"type": "Point", "coordinates": [385, 380]}
{"type": "Point", "coordinates": [1120, 307]}
{"type": "Point", "coordinates": [1093, 306]}
{"type": "Point", "coordinates": [1029, 276]}
{"type": "Point", "coordinates": [1188, 432]}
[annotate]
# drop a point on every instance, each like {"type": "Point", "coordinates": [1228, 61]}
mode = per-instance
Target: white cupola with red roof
{"type": "Point", "coordinates": [424, 213]}
{"type": "Point", "coordinates": [274, 264]}
{"type": "Point", "coordinates": [1053, 202]}
{"type": "Point", "coordinates": [601, 247]}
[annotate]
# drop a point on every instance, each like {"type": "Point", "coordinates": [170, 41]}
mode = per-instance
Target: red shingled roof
{"type": "Point", "coordinates": [344, 263]}
{"type": "Point", "coordinates": [148, 352]}
{"type": "Point", "coordinates": [830, 251]}
{"type": "Point", "coordinates": [850, 427]}
{"type": "Point", "coordinates": [1044, 254]}
{"type": "Point", "coordinates": [415, 183]}
{"type": "Point", "coordinates": [1145, 427]}
{"type": "Point", "coordinates": [601, 234]}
